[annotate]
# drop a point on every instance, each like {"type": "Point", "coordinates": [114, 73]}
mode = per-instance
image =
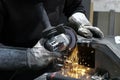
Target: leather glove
{"type": "Point", "coordinates": [39, 57]}
{"type": "Point", "coordinates": [83, 26]}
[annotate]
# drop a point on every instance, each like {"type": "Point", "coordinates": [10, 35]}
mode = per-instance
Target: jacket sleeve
{"type": "Point", "coordinates": [72, 6]}
{"type": "Point", "coordinates": [1, 15]}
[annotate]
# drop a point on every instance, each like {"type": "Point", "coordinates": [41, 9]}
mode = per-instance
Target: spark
{"type": "Point", "coordinates": [71, 67]}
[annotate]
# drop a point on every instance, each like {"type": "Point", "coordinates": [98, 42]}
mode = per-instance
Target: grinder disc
{"type": "Point", "coordinates": [73, 37]}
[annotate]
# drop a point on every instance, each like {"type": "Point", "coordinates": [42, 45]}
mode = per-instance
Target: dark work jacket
{"type": "Point", "coordinates": [20, 19]}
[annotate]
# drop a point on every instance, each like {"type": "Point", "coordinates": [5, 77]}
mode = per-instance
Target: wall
{"type": "Point", "coordinates": [102, 15]}
{"type": "Point", "coordinates": [106, 5]}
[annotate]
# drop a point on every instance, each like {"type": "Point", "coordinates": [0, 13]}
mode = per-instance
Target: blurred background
{"type": "Point", "coordinates": [104, 14]}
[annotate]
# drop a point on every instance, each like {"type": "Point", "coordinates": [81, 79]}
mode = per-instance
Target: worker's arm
{"type": "Point", "coordinates": [12, 58]}
{"type": "Point", "coordinates": [1, 22]}
{"type": "Point", "coordinates": [36, 58]}
{"type": "Point", "coordinates": [1, 16]}
{"type": "Point", "coordinates": [73, 6]}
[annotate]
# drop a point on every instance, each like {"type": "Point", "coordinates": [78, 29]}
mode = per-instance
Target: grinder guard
{"type": "Point", "coordinates": [69, 39]}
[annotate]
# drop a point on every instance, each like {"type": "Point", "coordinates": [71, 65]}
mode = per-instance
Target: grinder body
{"type": "Point", "coordinates": [56, 39]}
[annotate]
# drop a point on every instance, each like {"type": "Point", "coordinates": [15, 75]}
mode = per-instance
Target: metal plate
{"type": "Point", "coordinates": [86, 55]}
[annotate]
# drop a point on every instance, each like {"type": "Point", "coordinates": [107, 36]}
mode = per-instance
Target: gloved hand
{"type": "Point", "coordinates": [39, 57]}
{"type": "Point", "coordinates": [15, 58]}
{"type": "Point", "coordinates": [84, 27]}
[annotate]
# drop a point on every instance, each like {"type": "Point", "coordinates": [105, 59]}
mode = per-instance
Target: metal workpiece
{"type": "Point", "coordinates": [86, 55]}
{"type": "Point", "coordinates": [107, 54]}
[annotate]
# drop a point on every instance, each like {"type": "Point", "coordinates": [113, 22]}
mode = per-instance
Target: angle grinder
{"type": "Point", "coordinates": [56, 39]}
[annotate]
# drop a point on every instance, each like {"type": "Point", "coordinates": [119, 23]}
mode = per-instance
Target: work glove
{"type": "Point", "coordinates": [39, 57]}
{"type": "Point", "coordinates": [84, 28]}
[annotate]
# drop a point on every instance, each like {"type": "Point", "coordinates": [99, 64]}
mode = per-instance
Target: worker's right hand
{"type": "Point", "coordinates": [39, 57]}
{"type": "Point", "coordinates": [83, 26]}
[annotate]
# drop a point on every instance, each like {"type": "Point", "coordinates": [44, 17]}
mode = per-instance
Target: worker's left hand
{"type": "Point", "coordinates": [39, 57]}
{"type": "Point", "coordinates": [84, 27]}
